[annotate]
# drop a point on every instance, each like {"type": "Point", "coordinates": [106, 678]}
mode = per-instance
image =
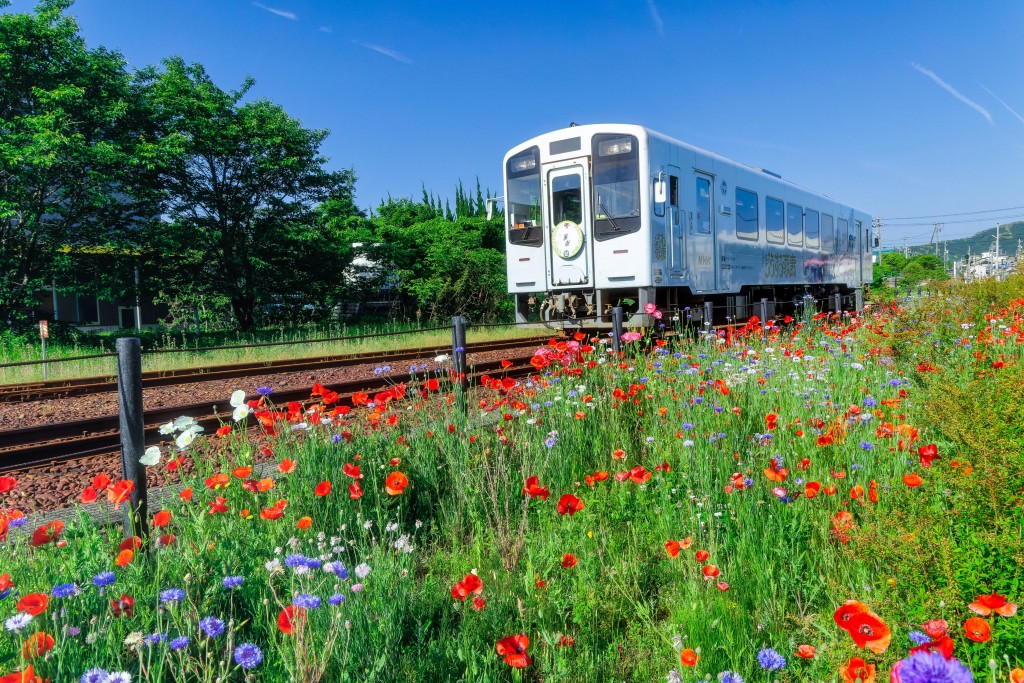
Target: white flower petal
{"type": "Point", "coordinates": [240, 412]}
{"type": "Point", "coordinates": [151, 457]}
{"type": "Point", "coordinates": [184, 439]}
{"type": "Point", "coordinates": [167, 428]}
{"type": "Point", "coordinates": [237, 398]}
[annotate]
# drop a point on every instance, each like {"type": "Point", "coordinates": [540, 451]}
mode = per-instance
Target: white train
{"type": "Point", "coordinates": [607, 215]}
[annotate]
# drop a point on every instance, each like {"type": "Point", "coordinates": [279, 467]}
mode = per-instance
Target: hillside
{"type": "Point", "coordinates": [985, 240]}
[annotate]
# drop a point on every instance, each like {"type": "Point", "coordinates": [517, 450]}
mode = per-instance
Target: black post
{"type": "Point", "coordinates": [133, 445]}
{"type": "Point", "coordinates": [839, 303]}
{"type": "Point", "coordinates": [459, 351]}
{"type": "Point", "coordinates": [809, 308]}
{"type": "Point", "coordinates": [764, 316]}
{"type": "Point", "coordinates": [617, 329]}
{"type": "Point", "coordinates": [709, 311]}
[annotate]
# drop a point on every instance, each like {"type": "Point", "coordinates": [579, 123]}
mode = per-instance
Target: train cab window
{"type": "Point", "coordinates": [775, 220]}
{"type": "Point", "coordinates": [566, 199]}
{"type": "Point", "coordinates": [746, 215]}
{"type": "Point", "coordinates": [811, 226]}
{"type": "Point", "coordinates": [828, 234]}
{"type": "Point", "coordinates": [851, 241]}
{"type": "Point", "coordinates": [795, 224]}
{"type": "Point", "coordinates": [523, 203]}
{"type": "Point", "coordinates": [616, 167]}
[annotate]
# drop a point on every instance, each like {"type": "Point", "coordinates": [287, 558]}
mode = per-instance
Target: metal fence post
{"type": "Point", "coordinates": [809, 307]}
{"type": "Point", "coordinates": [708, 312]}
{"type": "Point", "coordinates": [459, 352]}
{"type": "Point", "coordinates": [839, 303]}
{"type": "Point", "coordinates": [764, 316]}
{"type": "Point", "coordinates": [133, 445]}
{"type": "Point", "coordinates": [617, 319]}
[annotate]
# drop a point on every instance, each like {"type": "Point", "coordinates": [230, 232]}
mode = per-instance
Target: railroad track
{"type": "Point", "coordinates": [62, 441]}
{"type": "Point", "coordinates": [67, 388]}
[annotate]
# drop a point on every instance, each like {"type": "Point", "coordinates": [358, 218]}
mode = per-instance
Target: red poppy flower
{"type": "Point", "coordinates": [242, 472]}
{"type": "Point", "coordinates": [569, 561]}
{"type": "Point", "coordinates": [218, 481]}
{"type": "Point", "coordinates": [123, 606]}
{"type": "Point", "coordinates": [7, 484]}
{"type": "Point", "coordinates": [688, 657]}
{"type": "Point", "coordinates": [618, 454]}
{"type": "Point", "coordinates": [722, 586]}
{"type": "Point", "coordinates": [286, 466]}
{"type": "Point", "coordinates": [943, 645]}
{"type": "Point", "coordinates": [805, 652]}
{"type": "Point", "coordinates": [186, 494]}
{"type": "Point", "coordinates": [223, 430]}
{"type": "Point", "coordinates": [89, 494]}
{"type": "Point", "coordinates": [771, 421]}
{"type": "Point", "coordinates": [355, 491]}
{"type": "Point", "coordinates": [479, 603]}
{"type": "Point", "coordinates": [987, 604]}
{"type": "Point", "coordinates": [162, 518]}
{"type": "Point", "coordinates": [534, 489]}
{"type": "Point", "coordinates": [936, 628]}
{"type": "Point", "coordinates": [913, 480]}
{"type": "Point", "coordinates": [120, 492]}
{"type": "Point", "coordinates": [351, 470]}
{"type": "Point", "coordinates": [569, 505]}
{"type": "Point", "coordinates": [513, 649]}
{"type": "Point", "coordinates": [37, 645]}
{"type": "Point", "coordinates": [672, 548]}
{"type": "Point", "coordinates": [710, 571]}
{"type": "Point", "coordinates": [395, 483]}
{"type": "Point", "coordinates": [867, 630]}
{"type": "Point", "coordinates": [847, 611]}
{"type": "Point", "coordinates": [47, 532]}
{"type": "Point", "coordinates": [166, 539]}
{"type": "Point", "coordinates": [322, 489]}
{"type": "Point", "coordinates": [218, 505]}
{"type": "Point", "coordinates": [271, 513]}
{"type": "Point", "coordinates": [857, 671]}
{"type": "Point", "coordinates": [33, 603]}
{"type": "Point", "coordinates": [978, 630]}
{"type": "Point", "coordinates": [360, 398]}
{"type": "Point", "coordinates": [124, 558]}
{"type": "Point", "coordinates": [701, 556]}
{"type": "Point", "coordinates": [927, 454]}
{"type": "Point", "coordinates": [470, 584]}
{"type": "Point", "coordinates": [5, 582]}
{"type": "Point", "coordinates": [130, 543]}
{"type": "Point", "coordinates": [857, 492]}
{"type": "Point", "coordinates": [639, 475]}
{"type": "Point", "coordinates": [289, 619]}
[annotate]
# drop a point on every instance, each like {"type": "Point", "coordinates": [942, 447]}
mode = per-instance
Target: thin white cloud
{"type": "Point", "coordinates": [279, 12]}
{"type": "Point", "coordinates": [1000, 100]}
{"type": "Point", "coordinates": [953, 91]}
{"type": "Point", "coordinates": [387, 52]}
{"type": "Point", "coordinates": [656, 17]}
{"type": "Point", "coordinates": [325, 29]}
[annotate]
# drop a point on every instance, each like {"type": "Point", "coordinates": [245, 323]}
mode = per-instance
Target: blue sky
{"type": "Point", "coordinates": [899, 108]}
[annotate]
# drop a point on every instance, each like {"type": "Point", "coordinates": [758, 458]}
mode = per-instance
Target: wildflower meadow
{"type": "Point", "coordinates": [830, 499]}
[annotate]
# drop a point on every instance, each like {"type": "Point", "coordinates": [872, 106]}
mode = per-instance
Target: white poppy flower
{"type": "Point", "coordinates": [151, 457]}
{"type": "Point", "coordinates": [184, 439]}
{"type": "Point", "coordinates": [240, 412]}
{"type": "Point", "coordinates": [237, 398]}
{"type": "Point", "coordinates": [184, 422]}
{"type": "Point", "coordinates": [167, 428]}
{"type": "Point", "coordinates": [443, 358]}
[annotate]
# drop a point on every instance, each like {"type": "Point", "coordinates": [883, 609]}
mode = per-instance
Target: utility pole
{"type": "Point", "coordinates": [878, 236]}
{"type": "Point", "coordinates": [906, 249]}
{"type": "Point", "coordinates": [936, 231]}
{"type": "Point", "coordinates": [997, 253]}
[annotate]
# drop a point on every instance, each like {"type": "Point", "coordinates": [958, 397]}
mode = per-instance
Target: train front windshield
{"type": "Point", "coordinates": [616, 185]}
{"type": "Point", "coordinates": [523, 193]}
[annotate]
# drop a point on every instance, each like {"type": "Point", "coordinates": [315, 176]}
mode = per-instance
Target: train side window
{"type": "Point", "coordinates": [795, 224]}
{"type": "Point", "coordinates": [746, 215]}
{"type": "Point", "coordinates": [775, 221]}
{"type": "Point", "coordinates": [851, 242]}
{"type": "Point", "coordinates": [703, 219]}
{"type": "Point", "coordinates": [673, 197]}
{"type": "Point", "coordinates": [811, 225]}
{"type": "Point", "coordinates": [828, 234]}
{"type": "Point", "coordinates": [867, 238]}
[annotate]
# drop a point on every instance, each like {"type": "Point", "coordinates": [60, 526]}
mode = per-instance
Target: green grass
{"type": "Point", "coordinates": [697, 406]}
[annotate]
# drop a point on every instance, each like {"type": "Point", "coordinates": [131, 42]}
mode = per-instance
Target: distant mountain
{"type": "Point", "coordinates": [985, 240]}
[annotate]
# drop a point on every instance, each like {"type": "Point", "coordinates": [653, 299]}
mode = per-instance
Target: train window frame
{"type": "Point", "coordinates": [751, 202]}
{"type": "Point", "coordinates": [615, 226]}
{"type": "Point", "coordinates": [792, 241]}
{"type": "Point", "coordinates": [532, 235]}
{"type": "Point", "coordinates": [828, 227]}
{"type": "Point", "coordinates": [699, 203]}
{"type": "Point", "coordinates": [812, 241]}
{"type": "Point", "coordinates": [851, 239]}
{"type": "Point", "coordinates": [768, 221]}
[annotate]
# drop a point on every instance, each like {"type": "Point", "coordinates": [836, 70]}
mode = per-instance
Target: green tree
{"type": "Point", "coordinates": [78, 160]}
{"type": "Point", "coordinates": [922, 268]}
{"type": "Point", "coordinates": [889, 267]}
{"type": "Point", "coordinates": [242, 194]}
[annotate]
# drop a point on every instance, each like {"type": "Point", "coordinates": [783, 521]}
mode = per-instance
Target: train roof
{"type": "Point", "coordinates": [643, 131]}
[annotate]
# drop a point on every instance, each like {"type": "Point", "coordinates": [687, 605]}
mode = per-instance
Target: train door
{"type": "Point", "coordinates": [700, 250]}
{"type": "Point", "coordinates": [677, 236]}
{"type": "Point", "coordinates": [569, 224]}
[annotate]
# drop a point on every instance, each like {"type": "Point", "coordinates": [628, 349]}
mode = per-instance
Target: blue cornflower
{"type": "Point", "coordinates": [748, 482]}
{"type": "Point", "coordinates": [232, 581]}
{"type": "Point", "coordinates": [932, 667]}
{"type": "Point", "coordinates": [336, 438]}
{"type": "Point", "coordinates": [919, 638]}
{"type": "Point", "coordinates": [313, 563]}
{"type": "Point", "coordinates": [171, 595]}
{"type": "Point", "coordinates": [894, 382]}
{"type": "Point", "coordinates": [730, 677]}
{"type": "Point", "coordinates": [687, 426]}
{"type": "Point", "coordinates": [65, 590]}
{"type": "Point", "coordinates": [155, 638]}
{"type": "Point", "coordinates": [306, 601]}
{"type": "Point", "coordinates": [212, 627]}
{"type": "Point", "coordinates": [264, 391]}
{"type": "Point", "coordinates": [550, 442]}
{"type": "Point", "coordinates": [104, 579]}
{"type": "Point", "coordinates": [248, 656]}
{"type": "Point", "coordinates": [867, 445]}
{"type": "Point", "coordinates": [93, 676]}
{"type": "Point", "coordinates": [336, 568]}
{"type": "Point", "coordinates": [179, 643]}
{"type": "Point", "coordinates": [770, 660]}
{"type": "Point", "coordinates": [336, 599]}
{"type": "Point", "coordinates": [870, 402]}
{"type": "Point", "coordinates": [295, 560]}
{"type": "Point", "coordinates": [18, 522]}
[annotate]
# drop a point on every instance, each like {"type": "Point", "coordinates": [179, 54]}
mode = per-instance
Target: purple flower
{"type": "Point", "coordinates": [93, 676]}
{"type": "Point", "coordinates": [336, 438]}
{"type": "Point", "coordinates": [18, 522]}
{"type": "Point", "coordinates": [770, 660]}
{"type": "Point", "coordinates": [248, 656]}
{"type": "Point", "coordinates": [336, 599]}
{"type": "Point", "coordinates": [919, 637]}
{"type": "Point", "coordinates": [103, 579]}
{"type": "Point", "coordinates": [171, 595]}
{"type": "Point", "coordinates": [179, 643]}
{"type": "Point", "coordinates": [264, 391]}
{"type": "Point", "coordinates": [931, 668]}
{"type": "Point", "coordinates": [155, 638]}
{"type": "Point", "coordinates": [306, 601]}
{"type": "Point", "coordinates": [232, 581]}
{"type": "Point", "coordinates": [65, 590]}
{"type": "Point", "coordinates": [212, 627]}
{"type": "Point", "coordinates": [730, 677]}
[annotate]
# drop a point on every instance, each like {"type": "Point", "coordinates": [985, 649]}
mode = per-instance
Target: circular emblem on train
{"type": "Point", "coordinates": [567, 239]}
{"type": "Point", "coordinates": [724, 187]}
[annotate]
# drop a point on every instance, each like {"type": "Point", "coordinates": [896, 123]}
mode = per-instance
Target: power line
{"type": "Point", "coordinates": [967, 220]}
{"type": "Point", "coordinates": [947, 215]}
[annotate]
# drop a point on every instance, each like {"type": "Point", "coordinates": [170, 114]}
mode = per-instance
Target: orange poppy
{"type": "Point", "coordinates": [47, 532]}
{"type": "Point", "coordinates": [89, 494]}
{"type": "Point", "coordinates": [978, 630]}
{"type": "Point", "coordinates": [218, 481]}
{"type": "Point", "coordinates": [395, 483]}
{"type": "Point", "coordinates": [701, 556]}
{"type": "Point", "coordinates": [286, 466]}
{"type": "Point", "coordinates": [26, 676]}
{"type": "Point", "coordinates": [868, 630]}
{"type": "Point", "coordinates": [513, 649]}
{"type": "Point", "coordinates": [686, 543]}
{"type": "Point", "coordinates": [672, 548]}
{"type": "Point", "coordinates": [805, 652]}
{"type": "Point", "coordinates": [534, 489]}
{"type": "Point", "coordinates": [987, 604]}
{"type": "Point", "coordinates": [710, 571]}
{"type": "Point", "coordinates": [569, 504]}
{"type": "Point", "coordinates": [857, 492]}
{"type": "Point", "coordinates": [618, 454]}
{"type": "Point", "coordinates": [186, 494]}
{"type": "Point", "coordinates": [688, 657]}
{"type": "Point", "coordinates": [913, 480]}
{"type": "Point", "coordinates": [242, 472]}
{"type": "Point", "coordinates": [1017, 675]}
{"type": "Point", "coordinates": [124, 558]}
{"type": "Point", "coordinates": [37, 645]}
{"type": "Point", "coordinates": [322, 489]}
{"type": "Point", "coordinates": [569, 561]}
{"type": "Point", "coordinates": [289, 619]}
{"type": "Point", "coordinates": [162, 518]}
{"type": "Point", "coordinates": [33, 603]}
{"type": "Point", "coordinates": [304, 523]}
{"type": "Point", "coordinates": [265, 485]}
{"type": "Point", "coordinates": [857, 671]}
{"type": "Point", "coordinates": [120, 492]}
